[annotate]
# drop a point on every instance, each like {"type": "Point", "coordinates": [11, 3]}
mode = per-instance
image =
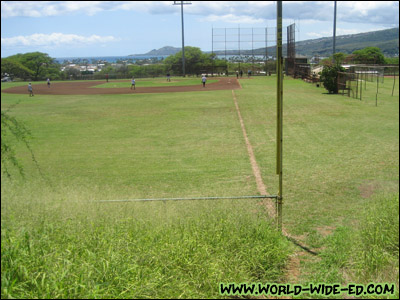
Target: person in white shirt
{"type": "Point", "coordinates": [203, 80]}
{"type": "Point", "coordinates": [133, 83]}
{"type": "Point", "coordinates": [30, 90]}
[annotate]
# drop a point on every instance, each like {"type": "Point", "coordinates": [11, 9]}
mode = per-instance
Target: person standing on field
{"type": "Point", "coordinates": [30, 90]}
{"type": "Point", "coordinates": [133, 83]}
{"type": "Point", "coordinates": [48, 82]}
{"type": "Point", "coordinates": [203, 80]}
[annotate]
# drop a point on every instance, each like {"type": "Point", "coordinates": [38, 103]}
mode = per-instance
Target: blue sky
{"type": "Point", "coordinates": [114, 28]}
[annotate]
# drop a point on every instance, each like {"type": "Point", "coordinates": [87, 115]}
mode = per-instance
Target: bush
{"type": "Point", "coordinates": [329, 77]}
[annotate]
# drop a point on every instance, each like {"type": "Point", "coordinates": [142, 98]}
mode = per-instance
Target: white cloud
{"type": "Point", "coordinates": [376, 12]}
{"type": "Point", "coordinates": [232, 19]}
{"type": "Point", "coordinates": [339, 31]}
{"type": "Point", "coordinates": [50, 8]}
{"type": "Point", "coordinates": [316, 35]}
{"type": "Point", "coordinates": [55, 8]}
{"type": "Point", "coordinates": [55, 39]}
{"type": "Point", "coordinates": [372, 12]}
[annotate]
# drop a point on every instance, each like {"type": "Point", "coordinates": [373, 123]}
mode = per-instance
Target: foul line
{"type": "Point", "coordinates": [262, 189]}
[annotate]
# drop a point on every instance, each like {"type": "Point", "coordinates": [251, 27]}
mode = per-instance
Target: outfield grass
{"type": "Point", "coordinates": [122, 147]}
{"type": "Point", "coordinates": [140, 147]}
{"type": "Point", "coordinates": [341, 159]}
{"type": "Point", "coordinates": [334, 147]}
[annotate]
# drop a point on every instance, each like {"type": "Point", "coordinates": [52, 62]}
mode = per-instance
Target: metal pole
{"type": "Point", "coordinates": [183, 42]}
{"type": "Point", "coordinates": [225, 44]}
{"type": "Point", "coordinates": [334, 33]}
{"type": "Point", "coordinates": [279, 91]}
{"type": "Point", "coordinates": [252, 49]}
{"type": "Point", "coordinates": [394, 79]}
{"type": "Point", "coordinates": [187, 199]}
{"type": "Point", "coordinates": [181, 3]}
{"type": "Point", "coordinates": [266, 52]}
{"type": "Point", "coordinates": [212, 51]}
{"type": "Point", "coordinates": [356, 76]}
{"type": "Point", "coordinates": [239, 47]}
{"type": "Point", "coordinates": [377, 90]}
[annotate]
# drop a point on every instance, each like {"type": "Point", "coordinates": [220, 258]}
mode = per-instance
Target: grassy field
{"type": "Point", "coordinates": [341, 166]}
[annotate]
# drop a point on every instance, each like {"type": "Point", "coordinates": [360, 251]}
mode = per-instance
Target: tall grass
{"type": "Point", "coordinates": [379, 241]}
{"type": "Point", "coordinates": [54, 248]}
{"type": "Point", "coordinates": [58, 243]}
{"type": "Point", "coordinates": [341, 156]}
{"type": "Point", "coordinates": [333, 146]}
{"type": "Point", "coordinates": [366, 253]}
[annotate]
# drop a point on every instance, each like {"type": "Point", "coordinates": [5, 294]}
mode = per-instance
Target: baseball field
{"type": "Point", "coordinates": [92, 141]}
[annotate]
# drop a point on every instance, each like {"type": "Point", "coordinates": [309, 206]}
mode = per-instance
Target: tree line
{"type": "Point", "coordinates": [366, 56]}
{"type": "Point", "coordinates": [39, 66]}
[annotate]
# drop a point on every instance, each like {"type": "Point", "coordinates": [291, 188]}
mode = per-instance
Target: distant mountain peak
{"type": "Point", "coordinates": [164, 51]}
{"type": "Point", "coordinates": [387, 40]}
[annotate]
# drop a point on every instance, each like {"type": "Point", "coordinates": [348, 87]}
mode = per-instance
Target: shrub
{"type": "Point", "coordinates": [329, 77]}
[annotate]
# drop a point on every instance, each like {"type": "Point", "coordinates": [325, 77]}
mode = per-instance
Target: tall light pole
{"type": "Point", "coordinates": [181, 3]}
{"type": "Point", "coordinates": [334, 33]}
{"type": "Point", "coordinates": [279, 119]}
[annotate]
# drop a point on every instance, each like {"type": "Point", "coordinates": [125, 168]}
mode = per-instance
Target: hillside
{"type": "Point", "coordinates": [387, 40]}
{"type": "Point", "coordinates": [164, 51]}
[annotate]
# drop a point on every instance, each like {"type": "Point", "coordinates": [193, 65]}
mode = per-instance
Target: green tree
{"type": "Point", "coordinates": [71, 73]}
{"type": "Point", "coordinates": [174, 62]}
{"type": "Point", "coordinates": [339, 57]}
{"type": "Point", "coordinates": [369, 55]}
{"type": "Point", "coordinates": [14, 69]}
{"type": "Point", "coordinates": [136, 71]}
{"type": "Point", "coordinates": [196, 61]}
{"type": "Point", "coordinates": [39, 63]}
{"type": "Point", "coordinates": [391, 60]}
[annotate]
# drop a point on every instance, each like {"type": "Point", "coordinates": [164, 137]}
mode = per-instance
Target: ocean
{"type": "Point", "coordinates": [109, 59]}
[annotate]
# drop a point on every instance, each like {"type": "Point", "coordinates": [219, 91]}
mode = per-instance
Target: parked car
{"type": "Point", "coordinates": [6, 79]}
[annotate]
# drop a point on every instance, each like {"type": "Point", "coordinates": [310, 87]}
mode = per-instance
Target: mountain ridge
{"type": "Point", "coordinates": [387, 40]}
{"type": "Point", "coordinates": [164, 51]}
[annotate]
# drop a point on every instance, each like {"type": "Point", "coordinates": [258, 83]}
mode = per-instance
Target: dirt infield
{"type": "Point", "coordinates": [86, 88]}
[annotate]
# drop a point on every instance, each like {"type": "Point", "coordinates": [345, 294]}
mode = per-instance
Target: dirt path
{"type": "Point", "coordinates": [293, 270]}
{"type": "Point", "coordinates": [262, 189]}
{"type": "Point", "coordinates": [86, 88]}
